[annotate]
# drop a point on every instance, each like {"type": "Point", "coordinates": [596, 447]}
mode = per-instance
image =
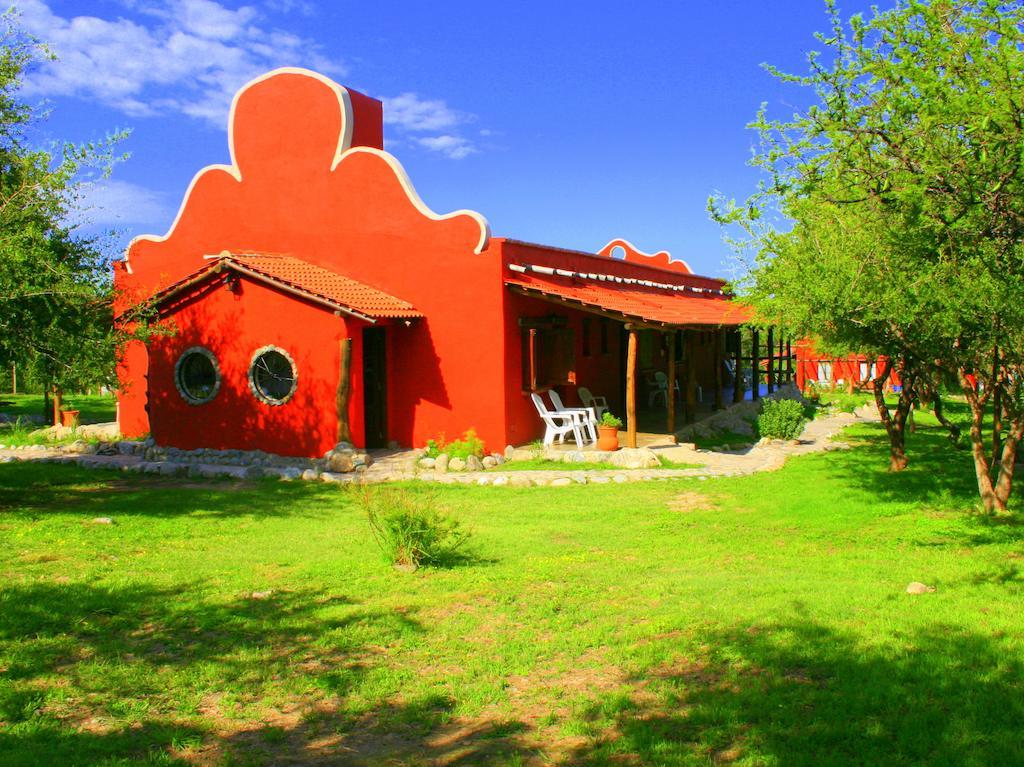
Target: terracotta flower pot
{"type": "Point", "coordinates": [69, 418]}
{"type": "Point", "coordinates": [607, 437]}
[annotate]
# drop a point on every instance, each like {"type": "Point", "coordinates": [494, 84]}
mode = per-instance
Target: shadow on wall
{"type": "Point", "coordinates": [415, 384]}
{"type": "Point", "coordinates": [305, 425]}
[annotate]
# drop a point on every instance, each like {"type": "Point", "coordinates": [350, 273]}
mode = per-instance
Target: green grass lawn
{"type": "Point", "coordinates": [94, 408]}
{"type": "Point", "coordinates": [750, 621]}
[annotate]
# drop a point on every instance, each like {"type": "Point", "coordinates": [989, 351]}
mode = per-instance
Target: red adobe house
{"type": "Point", "coordinates": [314, 297]}
{"type": "Point", "coordinates": [823, 370]}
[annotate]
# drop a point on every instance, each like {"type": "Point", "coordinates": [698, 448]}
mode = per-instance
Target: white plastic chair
{"type": "Point", "coordinates": [598, 404]}
{"type": "Point", "coordinates": [558, 424]}
{"type": "Point", "coordinates": [587, 416]}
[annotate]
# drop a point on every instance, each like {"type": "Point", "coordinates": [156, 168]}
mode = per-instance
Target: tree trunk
{"type": "Point", "coordinates": [940, 416]}
{"type": "Point", "coordinates": [982, 466]}
{"type": "Point", "coordinates": [1004, 483]}
{"type": "Point", "coordinates": [895, 427]}
{"type": "Point", "coordinates": [997, 405]}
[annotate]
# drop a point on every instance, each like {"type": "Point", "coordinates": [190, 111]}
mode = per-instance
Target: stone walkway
{"type": "Point", "coordinates": [398, 465]}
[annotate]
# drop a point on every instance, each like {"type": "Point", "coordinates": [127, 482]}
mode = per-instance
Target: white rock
{"type": "Point", "coordinates": [456, 464]}
{"type": "Point", "coordinates": [919, 588]}
{"type": "Point", "coordinates": [500, 481]}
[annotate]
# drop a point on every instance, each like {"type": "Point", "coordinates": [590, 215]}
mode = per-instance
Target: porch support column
{"type": "Point", "coordinates": [671, 381]}
{"type": "Point", "coordinates": [771, 360]}
{"type": "Point", "coordinates": [344, 389]}
{"type": "Point", "coordinates": [789, 361]}
{"type": "Point", "coordinates": [691, 378]}
{"type": "Point", "coordinates": [737, 384]}
{"type": "Point", "coordinates": [755, 365]}
{"type": "Point", "coordinates": [719, 361]}
{"type": "Point", "coordinates": [631, 387]}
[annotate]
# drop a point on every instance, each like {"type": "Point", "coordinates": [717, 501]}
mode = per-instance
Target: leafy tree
{"type": "Point", "coordinates": [56, 292]}
{"type": "Point", "coordinates": [905, 181]}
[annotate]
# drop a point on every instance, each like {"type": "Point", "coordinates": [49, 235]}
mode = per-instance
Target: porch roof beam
{"type": "Point", "coordinates": [637, 322]}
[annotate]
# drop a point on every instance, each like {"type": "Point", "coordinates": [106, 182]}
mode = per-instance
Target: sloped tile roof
{"type": "Point", "coordinates": [650, 302]}
{"type": "Point", "coordinates": [304, 278]}
{"type": "Point", "coordinates": [325, 284]}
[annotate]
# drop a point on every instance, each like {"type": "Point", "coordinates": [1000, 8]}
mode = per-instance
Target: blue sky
{"type": "Point", "coordinates": [566, 123]}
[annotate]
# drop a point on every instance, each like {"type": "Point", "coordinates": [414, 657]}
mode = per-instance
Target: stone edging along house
{"type": "Point", "coordinates": [315, 298]}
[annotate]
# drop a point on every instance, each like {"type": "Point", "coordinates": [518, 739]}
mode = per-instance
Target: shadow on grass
{"type": "Point", "coordinates": [804, 694]}
{"type": "Point", "coordinates": [36, 489]}
{"type": "Point", "coordinates": [939, 478]}
{"type": "Point", "coordinates": [90, 674]}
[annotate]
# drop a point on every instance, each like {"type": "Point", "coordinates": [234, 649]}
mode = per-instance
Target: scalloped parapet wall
{"type": "Point", "coordinates": [307, 177]}
{"type": "Point", "coordinates": [662, 259]}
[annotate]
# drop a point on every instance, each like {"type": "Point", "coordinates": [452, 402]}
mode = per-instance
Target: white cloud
{"type": "Point", "coordinates": [410, 113]}
{"type": "Point", "coordinates": [302, 7]}
{"type": "Point", "coordinates": [191, 59]}
{"type": "Point", "coordinates": [455, 147]}
{"type": "Point", "coordinates": [113, 202]}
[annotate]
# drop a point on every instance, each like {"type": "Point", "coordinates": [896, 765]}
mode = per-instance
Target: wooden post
{"type": "Point", "coordinates": [755, 365]}
{"type": "Point", "coordinates": [771, 360]}
{"type": "Point", "coordinates": [631, 387]}
{"type": "Point", "coordinates": [737, 384]}
{"type": "Point", "coordinates": [57, 397]}
{"type": "Point", "coordinates": [344, 389]}
{"type": "Point", "coordinates": [691, 378]}
{"type": "Point", "coordinates": [719, 361]}
{"type": "Point", "coordinates": [672, 381]}
{"type": "Point", "coordinates": [789, 361]}
{"type": "Point", "coordinates": [14, 378]}
{"type": "Point", "coordinates": [779, 369]}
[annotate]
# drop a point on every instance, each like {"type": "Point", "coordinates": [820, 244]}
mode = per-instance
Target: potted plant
{"type": "Point", "coordinates": [608, 432]}
{"type": "Point", "coordinates": [69, 418]}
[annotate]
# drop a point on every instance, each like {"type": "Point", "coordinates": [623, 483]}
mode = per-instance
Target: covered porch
{"type": "Point", "coordinates": [661, 363]}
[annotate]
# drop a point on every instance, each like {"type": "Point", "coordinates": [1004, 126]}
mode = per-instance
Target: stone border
{"type": "Point", "coordinates": [252, 378]}
{"type": "Point", "coordinates": [185, 395]}
{"type": "Point", "coordinates": [146, 458]}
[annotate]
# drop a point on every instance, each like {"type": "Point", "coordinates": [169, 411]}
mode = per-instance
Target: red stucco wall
{"type": "Point", "coordinates": [296, 188]}
{"type": "Point", "coordinates": [233, 325]}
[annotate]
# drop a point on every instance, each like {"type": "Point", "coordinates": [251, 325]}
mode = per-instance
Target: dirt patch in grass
{"type": "Point", "coordinates": [690, 501]}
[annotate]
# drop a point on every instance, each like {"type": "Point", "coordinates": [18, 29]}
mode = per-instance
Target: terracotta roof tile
{"type": "Point", "coordinates": [314, 281]}
{"type": "Point", "coordinates": [644, 303]}
{"type": "Point", "coordinates": [325, 284]}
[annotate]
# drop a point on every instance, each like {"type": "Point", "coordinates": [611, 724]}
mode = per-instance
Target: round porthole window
{"type": "Point", "coordinates": [197, 375]}
{"type": "Point", "coordinates": [272, 375]}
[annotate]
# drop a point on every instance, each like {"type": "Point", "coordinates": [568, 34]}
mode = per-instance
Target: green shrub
{"type": "Point", "coordinates": [781, 419]}
{"type": "Point", "coordinates": [607, 419]}
{"type": "Point", "coordinates": [470, 444]}
{"type": "Point", "coordinates": [435, 447]}
{"type": "Point", "coordinates": [812, 392]}
{"type": "Point", "coordinates": [411, 528]}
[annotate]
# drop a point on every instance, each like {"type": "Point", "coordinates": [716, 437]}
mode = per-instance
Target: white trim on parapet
{"type": "Point", "coordinates": [343, 149]}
